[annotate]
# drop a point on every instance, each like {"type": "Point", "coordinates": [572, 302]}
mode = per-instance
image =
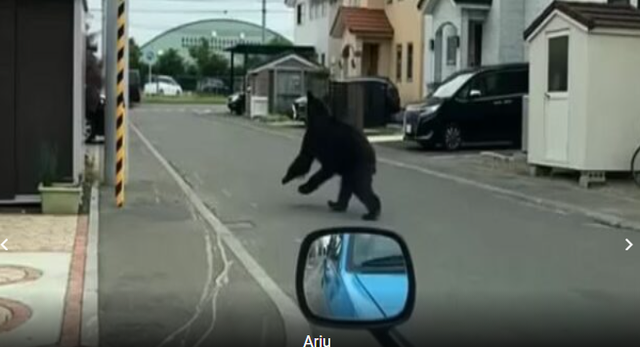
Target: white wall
{"type": "Point", "coordinates": [613, 111]}
{"type": "Point", "coordinates": [445, 12]}
{"type": "Point", "coordinates": [79, 49]}
{"type": "Point", "coordinates": [511, 35]}
{"type": "Point", "coordinates": [315, 31]}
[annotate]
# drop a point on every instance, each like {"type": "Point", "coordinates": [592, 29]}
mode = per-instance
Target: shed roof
{"type": "Point", "coordinates": [273, 62]}
{"type": "Point", "coordinates": [591, 15]}
{"type": "Point", "coordinates": [362, 21]}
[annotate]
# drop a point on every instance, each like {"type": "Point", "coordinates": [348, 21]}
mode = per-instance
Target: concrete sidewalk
{"type": "Point", "coordinates": [43, 280]}
{"type": "Point", "coordinates": [616, 204]}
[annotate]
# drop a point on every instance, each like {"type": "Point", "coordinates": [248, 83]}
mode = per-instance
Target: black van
{"type": "Point", "coordinates": [482, 104]}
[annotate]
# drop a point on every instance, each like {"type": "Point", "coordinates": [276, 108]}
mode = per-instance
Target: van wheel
{"type": "Point", "coordinates": [452, 137]}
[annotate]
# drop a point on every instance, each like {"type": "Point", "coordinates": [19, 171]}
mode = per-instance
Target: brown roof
{"type": "Point", "coordinates": [592, 15]}
{"type": "Point", "coordinates": [362, 21]}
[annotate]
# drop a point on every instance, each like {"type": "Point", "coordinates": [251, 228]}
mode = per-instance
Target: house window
{"type": "Point", "coordinates": [558, 77]}
{"type": "Point", "coordinates": [399, 62]}
{"type": "Point", "coordinates": [409, 62]}
{"type": "Point", "coordinates": [452, 50]}
{"type": "Point", "coordinates": [300, 13]}
{"type": "Point", "coordinates": [322, 59]}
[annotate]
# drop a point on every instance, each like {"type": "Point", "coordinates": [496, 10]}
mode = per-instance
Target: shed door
{"type": "Point", "coordinates": [7, 100]}
{"type": "Point", "coordinates": [556, 118]}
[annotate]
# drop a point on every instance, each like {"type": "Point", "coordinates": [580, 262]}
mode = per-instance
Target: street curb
{"type": "Point", "coordinates": [603, 218]}
{"type": "Point", "coordinates": [90, 327]}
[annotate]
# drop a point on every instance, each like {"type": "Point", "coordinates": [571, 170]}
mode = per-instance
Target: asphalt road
{"type": "Point", "coordinates": [489, 268]}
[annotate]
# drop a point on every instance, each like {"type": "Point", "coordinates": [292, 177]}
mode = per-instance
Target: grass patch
{"type": "Point", "coordinates": [189, 99]}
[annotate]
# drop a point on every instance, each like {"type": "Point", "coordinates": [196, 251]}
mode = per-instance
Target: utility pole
{"type": "Point", "coordinates": [264, 21]}
{"type": "Point", "coordinates": [116, 86]}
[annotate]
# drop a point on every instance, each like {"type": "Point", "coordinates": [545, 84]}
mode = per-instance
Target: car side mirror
{"type": "Point", "coordinates": [475, 93]}
{"type": "Point", "coordinates": [375, 279]}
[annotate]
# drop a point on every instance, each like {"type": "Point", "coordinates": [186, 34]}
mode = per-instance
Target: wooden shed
{"type": "Point", "coordinates": [283, 79]}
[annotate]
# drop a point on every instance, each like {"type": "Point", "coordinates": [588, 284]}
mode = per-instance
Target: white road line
{"type": "Point", "coordinates": [296, 325]}
{"type": "Point", "coordinates": [385, 138]}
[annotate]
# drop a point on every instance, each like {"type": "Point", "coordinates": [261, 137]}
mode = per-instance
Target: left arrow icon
{"type": "Point", "coordinates": [2, 244]}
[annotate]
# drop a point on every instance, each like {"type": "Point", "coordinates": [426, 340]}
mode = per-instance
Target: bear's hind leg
{"type": "Point", "coordinates": [343, 196]}
{"type": "Point", "coordinates": [363, 189]}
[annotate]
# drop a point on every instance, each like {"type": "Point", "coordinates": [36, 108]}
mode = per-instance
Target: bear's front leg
{"type": "Point", "coordinates": [318, 178]}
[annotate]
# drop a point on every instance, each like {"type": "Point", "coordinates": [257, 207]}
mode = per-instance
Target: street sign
{"type": "Point", "coordinates": [150, 57]}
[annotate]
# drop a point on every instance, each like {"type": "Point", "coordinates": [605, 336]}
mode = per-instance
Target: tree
{"type": "Point", "coordinates": [93, 75]}
{"type": "Point", "coordinates": [279, 41]}
{"type": "Point", "coordinates": [170, 63]}
{"type": "Point", "coordinates": [208, 62]}
{"type": "Point", "coordinates": [135, 55]}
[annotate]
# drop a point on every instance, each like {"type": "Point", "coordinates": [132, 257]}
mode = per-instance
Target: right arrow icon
{"type": "Point", "coordinates": [630, 245]}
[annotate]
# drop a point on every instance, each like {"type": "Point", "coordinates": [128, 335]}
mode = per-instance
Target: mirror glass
{"type": "Point", "coordinates": [356, 277]}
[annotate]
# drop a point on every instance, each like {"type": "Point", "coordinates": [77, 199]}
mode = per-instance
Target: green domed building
{"type": "Point", "coordinates": [221, 34]}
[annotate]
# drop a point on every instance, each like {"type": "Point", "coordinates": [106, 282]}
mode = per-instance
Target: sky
{"type": "Point", "coordinates": [149, 18]}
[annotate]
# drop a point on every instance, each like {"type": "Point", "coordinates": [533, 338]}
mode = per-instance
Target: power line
{"type": "Point", "coordinates": [196, 11]}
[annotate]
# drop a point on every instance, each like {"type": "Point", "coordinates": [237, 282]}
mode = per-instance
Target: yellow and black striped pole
{"type": "Point", "coordinates": [120, 106]}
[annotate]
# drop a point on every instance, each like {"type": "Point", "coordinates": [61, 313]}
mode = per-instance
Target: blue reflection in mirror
{"type": "Point", "coordinates": [356, 277]}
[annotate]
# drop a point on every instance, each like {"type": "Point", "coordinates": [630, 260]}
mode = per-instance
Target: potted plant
{"type": "Point", "coordinates": [58, 198]}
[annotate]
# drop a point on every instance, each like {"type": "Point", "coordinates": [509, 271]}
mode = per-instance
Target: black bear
{"type": "Point", "coordinates": [341, 150]}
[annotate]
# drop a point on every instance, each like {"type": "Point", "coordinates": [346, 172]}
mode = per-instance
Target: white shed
{"type": "Point", "coordinates": [584, 87]}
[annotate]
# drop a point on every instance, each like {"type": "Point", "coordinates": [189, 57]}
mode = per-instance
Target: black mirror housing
{"type": "Point", "coordinates": [307, 248]}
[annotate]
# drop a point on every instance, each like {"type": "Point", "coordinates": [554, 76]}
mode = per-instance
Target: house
{"type": "Point", "coordinates": [41, 92]}
{"type": "Point", "coordinates": [407, 49]}
{"type": "Point", "coordinates": [365, 38]}
{"type": "Point", "coordinates": [312, 22]}
{"type": "Point", "coordinates": [282, 80]}
{"type": "Point", "coordinates": [468, 33]}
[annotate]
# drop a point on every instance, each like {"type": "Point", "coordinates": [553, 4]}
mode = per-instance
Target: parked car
{"type": "Point", "coordinates": [363, 276]}
{"type": "Point", "coordinates": [163, 85]}
{"type": "Point", "coordinates": [211, 86]}
{"type": "Point", "coordinates": [474, 105]}
{"type": "Point", "coordinates": [299, 109]}
{"type": "Point", "coordinates": [94, 123]}
{"type": "Point", "coordinates": [135, 86]}
{"type": "Point", "coordinates": [236, 103]}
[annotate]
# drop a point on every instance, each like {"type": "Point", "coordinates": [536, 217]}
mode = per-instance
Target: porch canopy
{"type": "Point", "coordinates": [308, 52]}
{"type": "Point", "coordinates": [362, 21]}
